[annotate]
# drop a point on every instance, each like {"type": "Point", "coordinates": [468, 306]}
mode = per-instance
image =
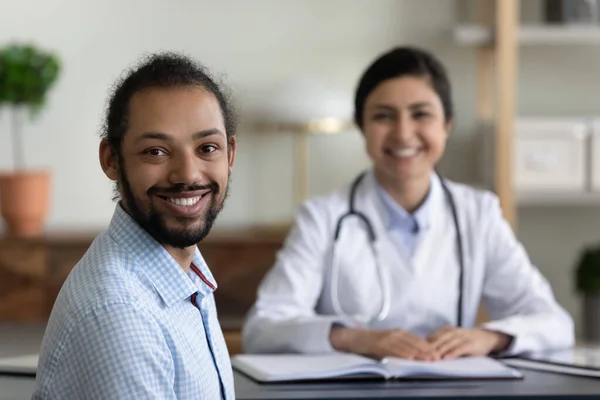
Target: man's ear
{"type": "Point", "coordinates": [109, 161]}
{"type": "Point", "coordinates": [231, 148]}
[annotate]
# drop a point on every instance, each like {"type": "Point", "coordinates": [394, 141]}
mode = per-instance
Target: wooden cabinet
{"type": "Point", "coordinates": [32, 272]}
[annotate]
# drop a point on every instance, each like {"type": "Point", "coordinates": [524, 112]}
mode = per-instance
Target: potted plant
{"type": "Point", "coordinates": [587, 282]}
{"type": "Point", "coordinates": [26, 75]}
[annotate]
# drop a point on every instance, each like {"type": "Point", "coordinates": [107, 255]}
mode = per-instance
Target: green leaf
{"type": "Point", "coordinates": [26, 75]}
{"type": "Point", "coordinates": [587, 272]}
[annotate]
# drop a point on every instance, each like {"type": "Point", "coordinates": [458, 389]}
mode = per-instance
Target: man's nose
{"type": "Point", "coordinates": [186, 169]}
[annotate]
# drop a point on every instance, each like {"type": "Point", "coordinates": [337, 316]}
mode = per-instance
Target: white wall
{"type": "Point", "coordinates": [258, 44]}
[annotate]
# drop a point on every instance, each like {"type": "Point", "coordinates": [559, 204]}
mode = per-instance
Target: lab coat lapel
{"type": "Point", "coordinates": [370, 204]}
{"type": "Point", "coordinates": [393, 258]}
{"type": "Point", "coordinates": [426, 251]}
{"type": "Point", "coordinates": [433, 242]}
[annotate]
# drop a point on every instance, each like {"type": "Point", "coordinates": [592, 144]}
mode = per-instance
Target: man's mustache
{"type": "Point", "coordinates": [181, 187]}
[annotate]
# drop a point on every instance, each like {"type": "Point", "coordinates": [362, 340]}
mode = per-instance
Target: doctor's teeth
{"type": "Point", "coordinates": [405, 152]}
{"type": "Point", "coordinates": [185, 202]}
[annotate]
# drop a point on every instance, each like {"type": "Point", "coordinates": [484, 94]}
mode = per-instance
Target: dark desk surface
{"type": "Point", "coordinates": [16, 388]}
{"type": "Point", "coordinates": [536, 385]}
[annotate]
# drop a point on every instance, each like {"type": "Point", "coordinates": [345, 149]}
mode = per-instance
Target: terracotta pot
{"type": "Point", "coordinates": [24, 201]}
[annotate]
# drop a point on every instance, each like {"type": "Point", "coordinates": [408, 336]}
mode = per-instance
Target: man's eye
{"type": "Point", "coordinates": [208, 149]}
{"type": "Point", "coordinates": [155, 152]}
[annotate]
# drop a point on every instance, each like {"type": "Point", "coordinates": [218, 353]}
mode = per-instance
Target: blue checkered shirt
{"type": "Point", "coordinates": [129, 323]}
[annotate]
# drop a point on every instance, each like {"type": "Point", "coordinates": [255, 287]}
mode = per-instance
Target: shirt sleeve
{"type": "Point", "coordinates": [283, 318]}
{"type": "Point", "coordinates": [515, 293]}
{"type": "Point", "coordinates": [117, 351]}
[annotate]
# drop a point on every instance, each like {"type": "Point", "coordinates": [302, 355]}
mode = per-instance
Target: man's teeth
{"type": "Point", "coordinates": [185, 202]}
{"type": "Point", "coordinates": [405, 152]}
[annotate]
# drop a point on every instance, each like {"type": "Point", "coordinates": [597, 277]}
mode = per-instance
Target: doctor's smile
{"type": "Point", "coordinates": [403, 153]}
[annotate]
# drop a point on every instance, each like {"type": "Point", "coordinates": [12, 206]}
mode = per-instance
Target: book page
{"type": "Point", "coordinates": [286, 367]}
{"type": "Point", "coordinates": [466, 367]}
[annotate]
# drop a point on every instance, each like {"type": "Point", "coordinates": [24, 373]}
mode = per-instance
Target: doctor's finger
{"type": "Point", "coordinates": [418, 344]}
{"type": "Point", "coordinates": [444, 338]}
{"type": "Point", "coordinates": [451, 345]}
{"type": "Point", "coordinates": [465, 349]}
{"type": "Point", "coordinates": [424, 350]}
{"type": "Point", "coordinates": [403, 350]}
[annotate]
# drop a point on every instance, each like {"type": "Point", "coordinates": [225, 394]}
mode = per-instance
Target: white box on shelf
{"type": "Point", "coordinates": [550, 155]}
{"type": "Point", "coordinates": [595, 155]}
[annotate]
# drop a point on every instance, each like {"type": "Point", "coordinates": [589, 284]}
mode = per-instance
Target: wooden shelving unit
{"type": "Point", "coordinates": [498, 36]}
{"type": "Point", "coordinates": [551, 199]}
{"type": "Point", "coordinates": [480, 35]}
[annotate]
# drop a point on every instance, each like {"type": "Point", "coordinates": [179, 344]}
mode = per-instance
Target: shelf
{"type": "Point", "coordinates": [557, 199]}
{"type": "Point", "coordinates": [548, 199]}
{"type": "Point", "coordinates": [475, 35]}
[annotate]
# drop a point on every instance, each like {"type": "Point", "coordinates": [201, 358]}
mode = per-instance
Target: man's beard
{"type": "Point", "coordinates": [155, 224]}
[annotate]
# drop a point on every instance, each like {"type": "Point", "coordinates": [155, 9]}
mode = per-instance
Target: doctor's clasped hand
{"type": "Point", "coordinates": [384, 343]}
{"type": "Point", "coordinates": [445, 343]}
{"type": "Point", "coordinates": [451, 342]}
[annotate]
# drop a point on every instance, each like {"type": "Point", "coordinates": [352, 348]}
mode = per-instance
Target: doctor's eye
{"type": "Point", "coordinates": [421, 115]}
{"type": "Point", "coordinates": [382, 117]}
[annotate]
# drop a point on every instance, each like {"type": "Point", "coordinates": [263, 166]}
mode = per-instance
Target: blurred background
{"type": "Point", "coordinates": [286, 58]}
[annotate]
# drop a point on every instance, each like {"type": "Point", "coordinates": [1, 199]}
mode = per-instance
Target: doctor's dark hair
{"type": "Point", "coordinates": [404, 61]}
{"type": "Point", "coordinates": [161, 70]}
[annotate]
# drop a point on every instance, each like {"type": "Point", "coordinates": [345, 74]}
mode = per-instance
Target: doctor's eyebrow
{"type": "Point", "coordinates": [413, 106]}
{"type": "Point", "coordinates": [419, 105]}
{"type": "Point", "coordinates": [383, 107]}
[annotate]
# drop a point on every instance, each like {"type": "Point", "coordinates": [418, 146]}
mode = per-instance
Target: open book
{"type": "Point", "coordinates": [300, 367]}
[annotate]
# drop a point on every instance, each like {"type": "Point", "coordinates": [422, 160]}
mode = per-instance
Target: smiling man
{"type": "Point", "coordinates": [136, 317]}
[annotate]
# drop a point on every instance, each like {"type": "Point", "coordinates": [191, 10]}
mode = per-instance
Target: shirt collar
{"type": "Point", "coordinates": [200, 274]}
{"type": "Point", "coordinates": [398, 217]}
{"type": "Point", "coordinates": [166, 275]}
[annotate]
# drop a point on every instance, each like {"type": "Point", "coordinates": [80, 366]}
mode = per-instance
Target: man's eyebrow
{"type": "Point", "coordinates": [207, 132]}
{"type": "Point", "coordinates": [166, 138]}
{"type": "Point", "coordinates": [154, 135]}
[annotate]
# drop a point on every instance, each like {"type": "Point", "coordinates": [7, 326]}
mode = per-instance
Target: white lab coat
{"type": "Point", "coordinates": [294, 312]}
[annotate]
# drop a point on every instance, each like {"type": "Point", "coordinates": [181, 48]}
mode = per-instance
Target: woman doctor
{"type": "Point", "coordinates": [404, 273]}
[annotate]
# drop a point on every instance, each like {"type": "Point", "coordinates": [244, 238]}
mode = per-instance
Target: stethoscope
{"type": "Point", "coordinates": [383, 282]}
